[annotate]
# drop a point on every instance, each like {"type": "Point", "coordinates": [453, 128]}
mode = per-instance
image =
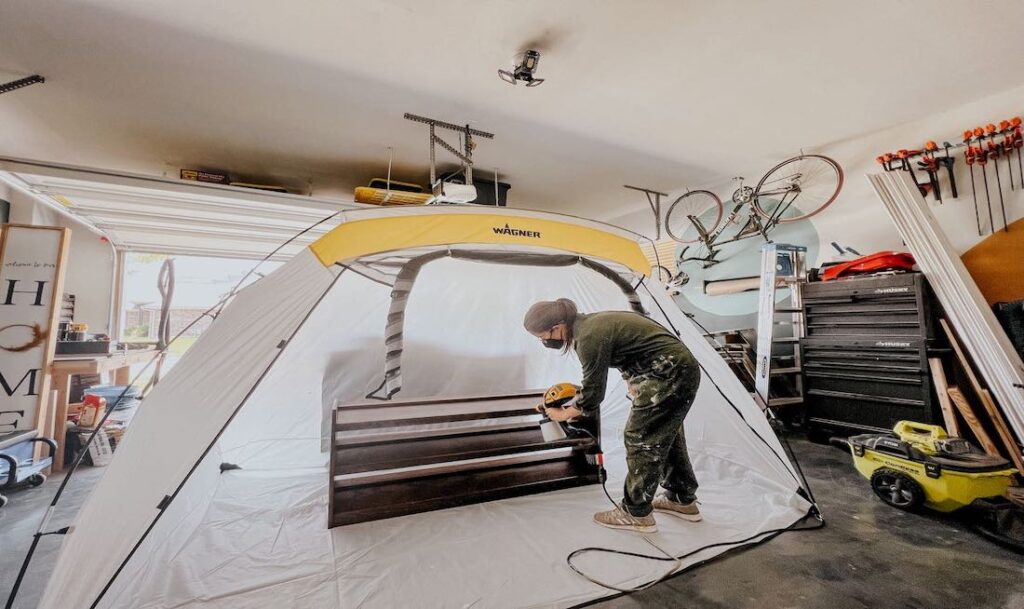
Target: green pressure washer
{"type": "Point", "coordinates": [919, 465]}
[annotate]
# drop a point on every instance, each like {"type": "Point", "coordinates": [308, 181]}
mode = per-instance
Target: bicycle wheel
{"type": "Point", "coordinates": [810, 181]}
{"type": "Point", "coordinates": [701, 204]}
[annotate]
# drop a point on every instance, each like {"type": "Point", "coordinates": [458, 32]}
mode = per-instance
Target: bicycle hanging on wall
{"type": "Point", "coordinates": [695, 218]}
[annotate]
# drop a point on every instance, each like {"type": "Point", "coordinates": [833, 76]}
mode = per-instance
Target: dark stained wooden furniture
{"type": "Point", "coordinates": [402, 457]}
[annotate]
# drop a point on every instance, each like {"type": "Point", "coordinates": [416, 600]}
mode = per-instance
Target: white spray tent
{"type": "Point", "coordinates": [165, 527]}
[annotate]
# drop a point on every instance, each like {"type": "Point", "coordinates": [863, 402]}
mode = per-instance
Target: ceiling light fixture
{"type": "Point", "coordinates": [523, 70]}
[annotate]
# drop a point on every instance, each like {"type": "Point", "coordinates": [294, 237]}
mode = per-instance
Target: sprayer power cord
{"type": "Point", "coordinates": [801, 480]}
{"type": "Point", "coordinates": [603, 476]}
{"type": "Point", "coordinates": [669, 557]}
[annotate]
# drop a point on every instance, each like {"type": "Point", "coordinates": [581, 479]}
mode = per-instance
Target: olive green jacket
{"type": "Point", "coordinates": [653, 361]}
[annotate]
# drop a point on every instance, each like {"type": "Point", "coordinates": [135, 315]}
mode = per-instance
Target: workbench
{"type": "Point", "coordinates": [66, 366]}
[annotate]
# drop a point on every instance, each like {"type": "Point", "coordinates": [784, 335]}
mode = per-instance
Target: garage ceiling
{"type": "Point", "coordinates": [311, 93]}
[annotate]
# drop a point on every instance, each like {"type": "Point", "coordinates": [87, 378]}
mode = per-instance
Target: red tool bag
{"type": "Point", "coordinates": [872, 263]}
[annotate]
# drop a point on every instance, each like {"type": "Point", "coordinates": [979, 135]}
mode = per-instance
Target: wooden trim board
{"type": "Point", "coordinates": [960, 400]}
{"type": "Point", "coordinates": [986, 400]}
{"type": "Point", "coordinates": [941, 386]}
{"type": "Point", "coordinates": [1004, 433]}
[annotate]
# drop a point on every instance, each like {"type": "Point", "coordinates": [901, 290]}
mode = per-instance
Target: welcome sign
{"type": "Point", "coordinates": [31, 280]}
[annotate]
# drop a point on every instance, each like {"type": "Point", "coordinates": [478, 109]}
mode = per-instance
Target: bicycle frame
{"type": "Point", "coordinates": [754, 225]}
{"type": "Point", "coordinates": [767, 204]}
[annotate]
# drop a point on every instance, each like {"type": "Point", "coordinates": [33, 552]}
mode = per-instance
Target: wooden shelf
{"type": "Point", "coordinates": [441, 449]}
{"type": "Point", "coordinates": [377, 415]}
{"type": "Point", "coordinates": [403, 497]}
{"type": "Point", "coordinates": [384, 464]}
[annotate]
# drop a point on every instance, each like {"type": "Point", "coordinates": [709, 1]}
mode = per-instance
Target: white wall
{"type": "Point", "coordinates": [90, 265]}
{"type": "Point", "coordinates": [859, 218]}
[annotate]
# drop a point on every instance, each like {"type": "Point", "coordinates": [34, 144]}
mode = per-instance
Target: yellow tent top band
{"type": "Point", "coordinates": [358, 238]}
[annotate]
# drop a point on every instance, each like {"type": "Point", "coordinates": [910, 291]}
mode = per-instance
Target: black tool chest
{"type": "Point", "coordinates": [865, 353]}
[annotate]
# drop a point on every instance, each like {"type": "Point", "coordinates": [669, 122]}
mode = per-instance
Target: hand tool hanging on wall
{"type": "Point", "coordinates": [981, 157]}
{"type": "Point", "coordinates": [981, 145]}
{"type": "Point", "coordinates": [947, 162]}
{"type": "Point", "coordinates": [969, 159]}
{"type": "Point", "coordinates": [1018, 142]}
{"type": "Point", "coordinates": [906, 165]}
{"type": "Point", "coordinates": [1005, 146]}
{"type": "Point", "coordinates": [993, 153]}
{"type": "Point", "coordinates": [890, 161]}
{"type": "Point", "coordinates": [927, 161]}
{"type": "Point", "coordinates": [931, 167]}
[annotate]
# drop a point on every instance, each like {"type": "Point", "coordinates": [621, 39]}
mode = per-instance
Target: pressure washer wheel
{"type": "Point", "coordinates": [896, 489]}
{"type": "Point", "coordinates": [37, 479]}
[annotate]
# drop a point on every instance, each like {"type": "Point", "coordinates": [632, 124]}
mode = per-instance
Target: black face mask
{"type": "Point", "coordinates": [553, 343]}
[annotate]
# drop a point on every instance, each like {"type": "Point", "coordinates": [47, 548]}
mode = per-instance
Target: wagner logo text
{"type": "Point", "coordinates": [516, 232]}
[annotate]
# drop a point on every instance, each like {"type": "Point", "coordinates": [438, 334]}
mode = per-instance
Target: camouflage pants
{"type": "Point", "coordinates": [656, 448]}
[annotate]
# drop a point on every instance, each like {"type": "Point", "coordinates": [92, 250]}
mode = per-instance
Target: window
{"type": "Point", "coordinates": [200, 282]}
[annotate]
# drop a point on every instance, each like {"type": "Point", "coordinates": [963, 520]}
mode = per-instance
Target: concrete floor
{"type": "Point", "coordinates": [869, 555]}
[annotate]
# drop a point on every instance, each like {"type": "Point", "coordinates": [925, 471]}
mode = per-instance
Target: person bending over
{"type": "Point", "coordinates": [662, 377]}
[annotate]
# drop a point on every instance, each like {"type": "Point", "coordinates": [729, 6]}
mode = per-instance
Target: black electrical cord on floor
{"type": "Point", "coordinates": [213, 311]}
{"type": "Point", "coordinates": [761, 536]}
{"type": "Point", "coordinates": [801, 480]}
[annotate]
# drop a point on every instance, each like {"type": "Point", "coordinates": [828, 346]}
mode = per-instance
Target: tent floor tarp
{"type": "Point", "coordinates": [265, 545]}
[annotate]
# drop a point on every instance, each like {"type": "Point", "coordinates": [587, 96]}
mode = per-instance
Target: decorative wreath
{"type": "Point", "coordinates": [38, 336]}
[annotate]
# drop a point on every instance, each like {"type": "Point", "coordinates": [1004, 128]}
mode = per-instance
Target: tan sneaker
{"type": "Point", "coordinates": [686, 511]}
{"type": "Point", "coordinates": [620, 519]}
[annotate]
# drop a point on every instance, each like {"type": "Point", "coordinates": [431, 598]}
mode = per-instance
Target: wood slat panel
{"type": "Point", "coordinates": [351, 440]}
{"type": "Point", "coordinates": [462, 488]}
{"type": "Point", "coordinates": [444, 469]}
{"type": "Point", "coordinates": [426, 451]}
{"type": "Point", "coordinates": [537, 394]}
{"type": "Point", "coordinates": [381, 414]}
{"type": "Point", "coordinates": [430, 420]}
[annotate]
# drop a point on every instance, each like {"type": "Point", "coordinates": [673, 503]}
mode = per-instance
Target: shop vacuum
{"type": "Point", "coordinates": [920, 466]}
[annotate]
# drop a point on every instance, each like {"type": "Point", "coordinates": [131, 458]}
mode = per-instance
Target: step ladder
{"type": "Point", "coordinates": [782, 267]}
